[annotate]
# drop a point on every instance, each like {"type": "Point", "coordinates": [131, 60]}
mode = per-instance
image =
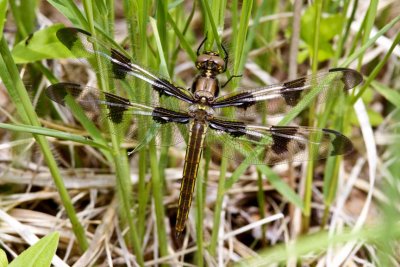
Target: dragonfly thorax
{"type": "Point", "coordinates": [205, 89]}
{"type": "Point", "coordinates": [201, 112]}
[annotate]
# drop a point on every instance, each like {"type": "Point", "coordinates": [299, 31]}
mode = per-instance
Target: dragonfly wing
{"type": "Point", "coordinates": [275, 144]}
{"type": "Point", "coordinates": [288, 94]}
{"type": "Point", "coordinates": [83, 45]}
{"type": "Point", "coordinates": [167, 126]}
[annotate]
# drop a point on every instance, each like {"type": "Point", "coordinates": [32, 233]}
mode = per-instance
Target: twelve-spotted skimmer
{"type": "Point", "coordinates": [198, 110]}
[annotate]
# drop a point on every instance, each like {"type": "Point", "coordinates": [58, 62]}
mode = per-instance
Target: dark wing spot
{"type": "Point", "coordinates": [119, 69]}
{"type": "Point", "coordinates": [350, 78]}
{"type": "Point", "coordinates": [160, 86]}
{"type": "Point", "coordinates": [292, 97]}
{"type": "Point", "coordinates": [233, 128]}
{"type": "Point", "coordinates": [341, 145]}
{"type": "Point", "coordinates": [162, 115]}
{"type": "Point", "coordinates": [57, 92]}
{"type": "Point", "coordinates": [281, 138]}
{"type": "Point", "coordinates": [116, 107]}
{"type": "Point", "coordinates": [240, 100]}
{"type": "Point", "coordinates": [69, 36]}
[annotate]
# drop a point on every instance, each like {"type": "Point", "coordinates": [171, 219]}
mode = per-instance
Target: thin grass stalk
{"type": "Point", "coordinates": [136, 22]}
{"type": "Point", "coordinates": [221, 180]}
{"type": "Point", "coordinates": [166, 65]}
{"type": "Point", "coordinates": [88, 9]}
{"type": "Point", "coordinates": [331, 173]}
{"type": "Point", "coordinates": [261, 206]}
{"type": "Point", "coordinates": [206, 160]}
{"type": "Point", "coordinates": [51, 133]}
{"type": "Point", "coordinates": [369, 24]}
{"type": "Point", "coordinates": [122, 171]}
{"type": "Point", "coordinates": [182, 40]}
{"type": "Point", "coordinates": [109, 4]}
{"type": "Point", "coordinates": [294, 40]}
{"type": "Point", "coordinates": [268, 32]}
{"type": "Point", "coordinates": [345, 33]}
{"type": "Point", "coordinates": [235, 19]}
{"type": "Point", "coordinates": [247, 47]}
{"type": "Point", "coordinates": [181, 36]}
{"type": "Point", "coordinates": [242, 34]}
{"type": "Point", "coordinates": [251, 35]}
{"type": "Point", "coordinates": [376, 70]}
{"type": "Point", "coordinates": [162, 11]}
{"type": "Point", "coordinates": [158, 200]}
{"type": "Point", "coordinates": [200, 217]}
{"type": "Point", "coordinates": [10, 76]}
{"type": "Point", "coordinates": [211, 26]}
{"type": "Point", "coordinates": [238, 52]}
{"type": "Point", "coordinates": [218, 13]}
{"type": "Point", "coordinates": [369, 43]}
{"type": "Point", "coordinates": [18, 20]}
{"type": "Point", "coordinates": [156, 181]}
{"type": "Point", "coordinates": [310, 165]}
{"type": "Point", "coordinates": [218, 205]}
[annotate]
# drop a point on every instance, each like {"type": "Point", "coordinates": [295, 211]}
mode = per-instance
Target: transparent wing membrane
{"type": "Point", "coordinates": [127, 117]}
{"type": "Point", "coordinates": [83, 45]}
{"type": "Point", "coordinates": [275, 144]}
{"type": "Point", "coordinates": [282, 96]}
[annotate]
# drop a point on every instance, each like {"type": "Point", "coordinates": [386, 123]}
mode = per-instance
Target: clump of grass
{"type": "Point", "coordinates": [239, 209]}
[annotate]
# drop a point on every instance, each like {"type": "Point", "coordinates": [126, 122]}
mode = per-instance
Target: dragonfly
{"type": "Point", "coordinates": [198, 111]}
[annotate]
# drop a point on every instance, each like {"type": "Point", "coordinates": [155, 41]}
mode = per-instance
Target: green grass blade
{"type": "Point", "coordinates": [18, 93]}
{"type": "Point", "coordinates": [369, 43]}
{"type": "Point", "coordinates": [70, 10]}
{"type": "Point", "coordinates": [3, 12]}
{"type": "Point", "coordinates": [200, 216]}
{"type": "Point", "coordinates": [369, 24]}
{"type": "Point", "coordinates": [23, 128]}
{"type": "Point", "coordinates": [156, 181]}
{"type": "Point", "coordinates": [377, 69]}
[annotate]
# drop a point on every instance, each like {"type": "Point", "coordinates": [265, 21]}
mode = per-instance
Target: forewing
{"type": "Point", "coordinates": [275, 144]}
{"type": "Point", "coordinates": [126, 117]}
{"type": "Point", "coordinates": [82, 44]}
{"type": "Point", "coordinates": [283, 96]}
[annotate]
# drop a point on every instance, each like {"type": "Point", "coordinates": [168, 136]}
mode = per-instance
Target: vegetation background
{"type": "Point", "coordinates": [113, 210]}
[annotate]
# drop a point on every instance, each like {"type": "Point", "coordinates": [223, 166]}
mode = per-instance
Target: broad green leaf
{"type": "Point", "coordinates": [3, 12]}
{"type": "Point", "coordinates": [3, 259]}
{"type": "Point", "coordinates": [330, 26]}
{"type": "Point", "coordinates": [40, 254]}
{"type": "Point", "coordinates": [41, 45]}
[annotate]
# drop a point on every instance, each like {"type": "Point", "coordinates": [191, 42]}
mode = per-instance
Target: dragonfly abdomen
{"type": "Point", "coordinates": [194, 151]}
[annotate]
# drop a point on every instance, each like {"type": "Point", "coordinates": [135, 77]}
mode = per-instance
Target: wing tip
{"type": "Point", "coordinates": [58, 91]}
{"type": "Point", "coordinates": [341, 144]}
{"type": "Point", "coordinates": [351, 78]}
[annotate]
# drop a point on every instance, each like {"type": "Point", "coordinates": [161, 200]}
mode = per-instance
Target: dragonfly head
{"type": "Point", "coordinates": [210, 62]}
